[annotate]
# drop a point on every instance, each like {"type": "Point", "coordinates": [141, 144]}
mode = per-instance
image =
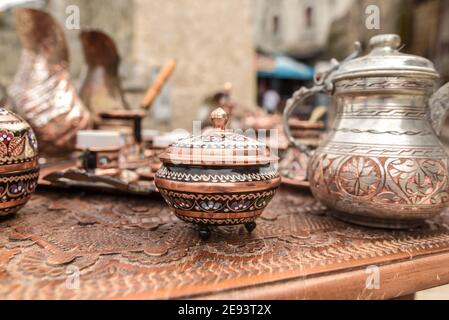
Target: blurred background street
{"type": "Point", "coordinates": [237, 41]}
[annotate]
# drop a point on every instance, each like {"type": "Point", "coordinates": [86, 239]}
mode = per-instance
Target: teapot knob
{"type": "Point", "coordinates": [219, 118]}
{"type": "Point", "coordinates": [391, 41]}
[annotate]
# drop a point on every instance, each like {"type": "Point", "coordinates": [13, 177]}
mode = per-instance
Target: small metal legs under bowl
{"type": "Point", "coordinates": [204, 230]}
{"type": "Point", "coordinates": [396, 224]}
{"type": "Point", "coordinates": [250, 226]}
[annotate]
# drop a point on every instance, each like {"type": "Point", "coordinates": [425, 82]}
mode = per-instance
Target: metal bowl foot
{"type": "Point", "coordinates": [204, 232]}
{"type": "Point", "coordinates": [250, 226]}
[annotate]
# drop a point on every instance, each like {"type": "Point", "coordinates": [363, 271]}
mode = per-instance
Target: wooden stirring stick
{"type": "Point", "coordinates": [157, 85]}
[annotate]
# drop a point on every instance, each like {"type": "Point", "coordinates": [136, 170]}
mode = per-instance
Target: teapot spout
{"type": "Point", "coordinates": [438, 108]}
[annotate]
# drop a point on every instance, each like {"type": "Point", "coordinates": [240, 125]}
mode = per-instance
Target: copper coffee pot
{"type": "Point", "coordinates": [42, 89]}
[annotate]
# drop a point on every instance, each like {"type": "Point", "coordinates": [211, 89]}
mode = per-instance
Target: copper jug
{"type": "Point", "coordinates": [381, 164]}
{"type": "Point", "coordinates": [42, 90]}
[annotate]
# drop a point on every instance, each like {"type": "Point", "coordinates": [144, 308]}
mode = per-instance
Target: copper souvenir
{"type": "Point", "coordinates": [382, 164]}
{"type": "Point", "coordinates": [100, 158]}
{"type": "Point", "coordinates": [218, 178]}
{"type": "Point", "coordinates": [128, 122]}
{"type": "Point", "coordinates": [309, 133]}
{"type": "Point", "coordinates": [101, 90]}
{"type": "Point", "coordinates": [42, 89]}
{"type": "Point", "coordinates": [19, 168]}
{"type": "Point", "coordinates": [293, 166]}
{"type": "Point", "coordinates": [100, 180]}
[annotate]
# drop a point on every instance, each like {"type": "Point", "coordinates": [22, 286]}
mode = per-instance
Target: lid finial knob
{"type": "Point", "coordinates": [219, 118]}
{"type": "Point", "coordinates": [391, 41]}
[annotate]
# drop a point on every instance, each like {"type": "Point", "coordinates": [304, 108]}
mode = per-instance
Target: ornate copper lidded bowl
{"type": "Point", "coordinates": [218, 178]}
{"type": "Point", "coordinates": [19, 168]}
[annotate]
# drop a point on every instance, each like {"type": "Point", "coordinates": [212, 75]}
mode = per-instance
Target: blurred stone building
{"type": "Point", "coordinates": [422, 24]}
{"type": "Point", "coordinates": [299, 28]}
{"type": "Point", "coordinates": [321, 29]}
{"type": "Point", "coordinates": [215, 41]}
{"type": "Point", "coordinates": [212, 42]}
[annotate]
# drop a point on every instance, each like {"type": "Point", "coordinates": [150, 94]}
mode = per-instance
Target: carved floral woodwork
{"type": "Point", "coordinates": [134, 247]}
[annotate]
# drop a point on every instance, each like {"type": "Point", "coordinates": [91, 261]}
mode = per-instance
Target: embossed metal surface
{"type": "Point", "coordinates": [130, 247]}
{"type": "Point", "coordinates": [19, 168]}
{"type": "Point", "coordinates": [218, 178]}
{"type": "Point", "coordinates": [42, 90]}
{"type": "Point", "coordinates": [382, 164]}
{"type": "Point", "coordinates": [386, 59]}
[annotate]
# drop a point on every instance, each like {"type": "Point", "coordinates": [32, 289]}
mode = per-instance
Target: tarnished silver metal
{"type": "Point", "coordinates": [382, 164]}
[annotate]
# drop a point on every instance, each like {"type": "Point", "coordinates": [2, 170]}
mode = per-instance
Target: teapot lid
{"type": "Point", "coordinates": [218, 147]}
{"type": "Point", "coordinates": [385, 59]}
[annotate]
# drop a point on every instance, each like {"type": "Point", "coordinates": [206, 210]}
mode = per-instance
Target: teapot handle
{"type": "Point", "coordinates": [323, 84]}
{"type": "Point", "coordinates": [295, 101]}
{"type": "Point", "coordinates": [438, 108]}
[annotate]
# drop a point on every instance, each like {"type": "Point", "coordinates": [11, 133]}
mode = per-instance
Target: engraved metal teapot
{"type": "Point", "coordinates": [382, 164]}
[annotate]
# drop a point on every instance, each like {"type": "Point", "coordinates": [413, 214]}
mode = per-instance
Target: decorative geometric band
{"type": "Point", "coordinates": [166, 173]}
{"type": "Point", "coordinates": [378, 83]}
{"type": "Point", "coordinates": [211, 204]}
{"type": "Point", "coordinates": [20, 176]}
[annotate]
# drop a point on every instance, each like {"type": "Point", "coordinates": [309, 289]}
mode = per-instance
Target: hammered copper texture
{"type": "Point", "coordinates": [130, 247]}
{"type": "Point", "coordinates": [42, 90]}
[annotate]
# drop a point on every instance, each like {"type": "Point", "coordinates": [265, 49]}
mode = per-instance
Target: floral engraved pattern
{"type": "Point", "coordinates": [237, 204]}
{"type": "Point", "coordinates": [6, 136]}
{"type": "Point", "coordinates": [240, 205]}
{"type": "Point", "coordinates": [11, 145]}
{"type": "Point", "coordinates": [32, 140]}
{"type": "Point", "coordinates": [322, 172]}
{"type": "Point", "coordinates": [18, 159]}
{"type": "Point", "coordinates": [15, 188]}
{"type": "Point", "coordinates": [182, 203]}
{"type": "Point", "coordinates": [385, 181]}
{"type": "Point", "coordinates": [419, 179]}
{"type": "Point", "coordinates": [210, 205]}
{"type": "Point", "coordinates": [359, 176]}
{"type": "Point", "coordinates": [16, 146]}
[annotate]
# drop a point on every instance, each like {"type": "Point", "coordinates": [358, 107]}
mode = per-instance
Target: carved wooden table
{"type": "Point", "coordinates": [95, 246]}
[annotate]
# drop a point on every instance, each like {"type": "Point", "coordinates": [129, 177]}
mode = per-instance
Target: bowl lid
{"type": "Point", "coordinates": [385, 59]}
{"type": "Point", "coordinates": [218, 147]}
